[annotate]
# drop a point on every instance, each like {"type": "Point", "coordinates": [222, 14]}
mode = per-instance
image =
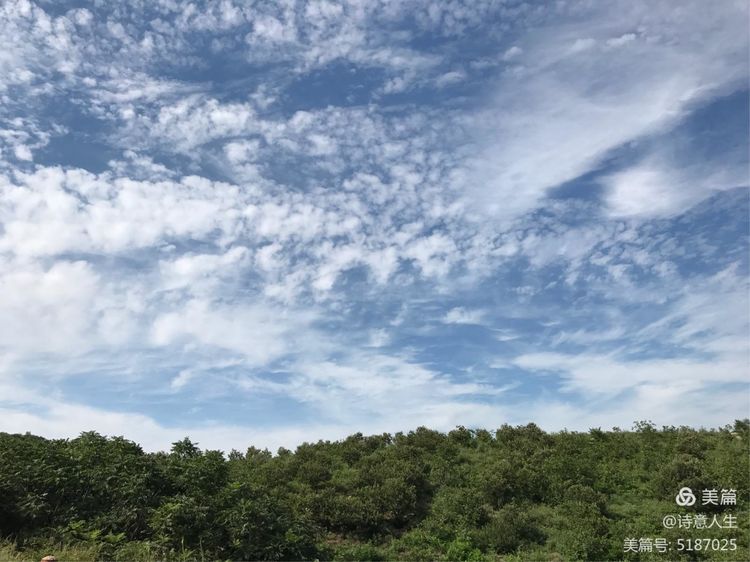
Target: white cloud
{"type": "Point", "coordinates": [623, 39]}
{"type": "Point", "coordinates": [257, 333]}
{"type": "Point", "coordinates": [182, 379]}
{"type": "Point", "coordinates": [56, 419]}
{"type": "Point", "coordinates": [607, 375]}
{"type": "Point", "coordinates": [377, 390]}
{"type": "Point", "coordinates": [582, 45]}
{"type": "Point", "coordinates": [450, 78]}
{"type": "Point", "coordinates": [52, 211]}
{"type": "Point", "coordinates": [379, 338]}
{"type": "Point", "coordinates": [559, 116]}
{"type": "Point", "coordinates": [708, 315]}
{"type": "Point", "coordinates": [512, 53]}
{"type": "Point", "coordinates": [706, 321]}
{"type": "Point", "coordinates": [267, 28]}
{"type": "Point", "coordinates": [48, 310]}
{"type": "Point", "coordinates": [434, 255]}
{"type": "Point", "coordinates": [657, 187]}
{"type": "Point", "coordinates": [200, 272]}
{"type": "Point", "coordinates": [675, 403]}
{"type": "Point", "coordinates": [506, 335]}
{"type": "Point", "coordinates": [664, 405]}
{"type": "Point", "coordinates": [23, 152]}
{"type": "Point", "coordinates": [460, 315]}
{"type": "Point", "coordinates": [645, 191]}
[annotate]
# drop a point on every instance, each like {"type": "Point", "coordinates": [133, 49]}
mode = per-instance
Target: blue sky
{"type": "Point", "coordinates": [264, 223]}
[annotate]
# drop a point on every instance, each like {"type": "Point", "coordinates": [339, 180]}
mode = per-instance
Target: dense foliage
{"type": "Point", "coordinates": [515, 494]}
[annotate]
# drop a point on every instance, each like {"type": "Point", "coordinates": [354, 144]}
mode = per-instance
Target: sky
{"type": "Point", "coordinates": [264, 223]}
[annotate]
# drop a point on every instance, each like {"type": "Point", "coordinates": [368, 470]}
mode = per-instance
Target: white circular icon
{"type": "Point", "coordinates": [685, 497]}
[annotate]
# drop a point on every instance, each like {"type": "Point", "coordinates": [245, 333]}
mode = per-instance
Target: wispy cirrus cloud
{"type": "Point", "coordinates": [579, 92]}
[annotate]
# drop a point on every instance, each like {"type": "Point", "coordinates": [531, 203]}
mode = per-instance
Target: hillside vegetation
{"type": "Point", "coordinates": [517, 493]}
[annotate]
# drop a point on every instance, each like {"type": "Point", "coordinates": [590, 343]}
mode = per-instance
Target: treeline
{"type": "Point", "coordinates": [517, 493]}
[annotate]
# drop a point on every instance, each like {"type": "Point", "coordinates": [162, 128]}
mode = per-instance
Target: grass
{"type": "Point", "coordinates": [64, 553]}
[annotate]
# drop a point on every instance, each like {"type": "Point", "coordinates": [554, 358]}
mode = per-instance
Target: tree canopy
{"type": "Point", "coordinates": [516, 493]}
